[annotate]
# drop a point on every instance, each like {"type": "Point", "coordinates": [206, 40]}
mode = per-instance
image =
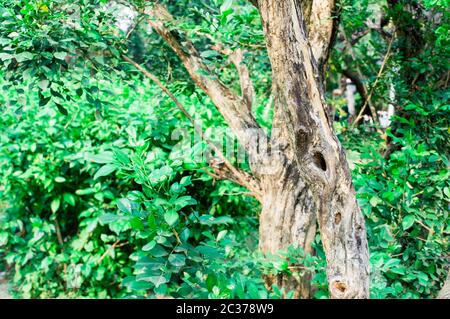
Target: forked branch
{"type": "Point", "coordinates": [233, 108]}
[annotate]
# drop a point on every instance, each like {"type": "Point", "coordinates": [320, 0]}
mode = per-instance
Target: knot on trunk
{"type": "Point", "coordinates": [339, 288]}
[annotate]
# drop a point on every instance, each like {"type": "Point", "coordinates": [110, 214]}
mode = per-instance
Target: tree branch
{"type": "Point", "coordinates": [321, 19]}
{"type": "Point", "coordinates": [247, 89]}
{"type": "Point", "coordinates": [237, 58]}
{"type": "Point", "coordinates": [367, 101]}
{"type": "Point", "coordinates": [359, 84]}
{"type": "Point", "coordinates": [226, 170]}
{"type": "Point", "coordinates": [233, 108]}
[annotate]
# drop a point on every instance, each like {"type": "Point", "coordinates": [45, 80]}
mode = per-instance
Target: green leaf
{"type": "Point", "coordinates": [209, 54]}
{"type": "Point", "coordinates": [157, 280]}
{"type": "Point", "coordinates": [184, 201]}
{"type": "Point", "coordinates": [136, 223]}
{"type": "Point", "coordinates": [138, 285]}
{"type": "Point", "coordinates": [208, 251]}
{"type": "Point", "coordinates": [44, 101]}
{"type": "Point", "coordinates": [60, 179]}
{"type": "Point", "coordinates": [105, 170]}
{"type": "Point", "coordinates": [161, 290]}
{"type": "Point", "coordinates": [178, 260]}
{"type": "Point", "coordinates": [124, 205]}
{"type": "Point", "coordinates": [121, 157]}
{"type": "Point", "coordinates": [203, 72]}
{"type": "Point", "coordinates": [226, 5]}
{"type": "Point", "coordinates": [375, 200]}
{"type": "Point", "coordinates": [171, 217]}
{"type": "Point", "coordinates": [221, 234]}
{"type": "Point", "coordinates": [158, 251]}
{"type": "Point", "coordinates": [4, 41]}
{"type": "Point", "coordinates": [149, 246]}
{"type": "Point", "coordinates": [408, 221]}
{"type": "Point", "coordinates": [211, 220]}
{"type": "Point", "coordinates": [401, 270]}
{"type": "Point", "coordinates": [447, 192]}
{"type": "Point", "coordinates": [69, 199]}
{"type": "Point", "coordinates": [101, 158]}
{"type": "Point", "coordinates": [61, 109]}
{"type": "Point", "coordinates": [43, 84]}
{"type": "Point", "coordinates": [55, 204]}
{"type": "Point", "coordinates": [6, 56]}
{"type": "Point", "coordinates": [86, 191]}
{"type": "Point", "coordinates": [185, 181]}
{"type": "Point", "coordinates": [110, 218]}
{"type": "Point", "coordinates": [55, 93]}
{"type": "Point", "coordinates": [60, 55]}
{"type": "Point", "coordinates": [3, 238]}
{"type": "Point", "coordinates": [24, 56]}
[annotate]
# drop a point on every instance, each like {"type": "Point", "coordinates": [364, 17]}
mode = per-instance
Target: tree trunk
{"type": "Point", "coordinates": [305, 170]}
{"type": "Point", "coordinates": [288, 219]}
{"type": "Point", "coordinates": [288, 216]}
{"type": "Point", "coordinates": [315, 149]}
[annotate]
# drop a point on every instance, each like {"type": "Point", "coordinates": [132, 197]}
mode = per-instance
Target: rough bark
{"type": "Point", "coordinates": [316, 151]}
{"type": "Point", "coordinates": [321, 21]}
{"type": "Point", "coordinates": [288, 219]}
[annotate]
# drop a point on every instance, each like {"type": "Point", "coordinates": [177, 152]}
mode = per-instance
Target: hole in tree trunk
{"type": "Point", "coordinates": [319, 161]}
{"type": "Point", "coordinates": [337, 218]}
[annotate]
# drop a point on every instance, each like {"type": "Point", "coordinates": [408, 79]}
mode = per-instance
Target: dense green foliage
{"type": "Point", "coordinates": [99, 198]}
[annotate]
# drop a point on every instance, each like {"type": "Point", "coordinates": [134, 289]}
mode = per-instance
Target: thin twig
{"type": "Point", "coordinates": [176, 235]}
{"type": "Point", "coordinates": [424, 226]}
{"type": "Point", "coordinates": [360, 75]}
{"type": "Point", "coordinates": [386, 56]}
{"type": "Point", "coordinates": [134, 27]}
{"type": "Point", "coordinates": [113, 246]}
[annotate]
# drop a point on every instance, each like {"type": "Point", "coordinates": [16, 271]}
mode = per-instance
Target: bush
{"type": "Point", "coordinates": [405, 200]}
{"type": "Point", "coordinates": [104, 206]}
